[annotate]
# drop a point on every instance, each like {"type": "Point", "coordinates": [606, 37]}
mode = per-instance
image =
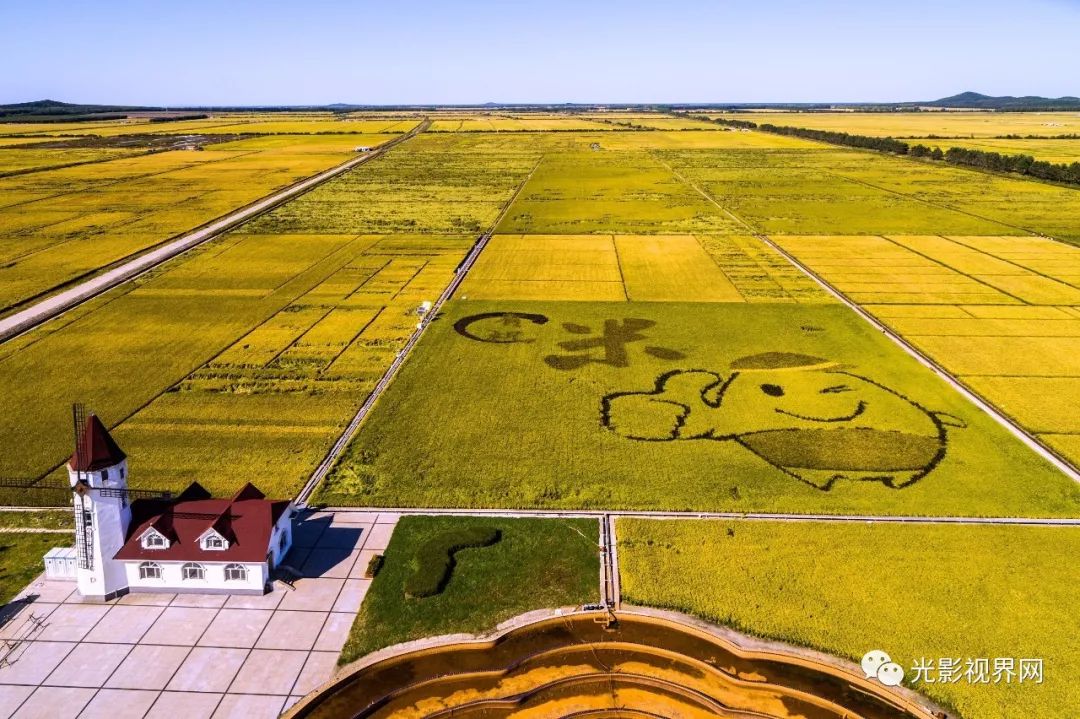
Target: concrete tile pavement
{"type": "Point", "coordinates": [188, 655]}
{"type": "Point", "coordinates": [55, 703]}
{"type": "Point", "coordinates": [184, 705]}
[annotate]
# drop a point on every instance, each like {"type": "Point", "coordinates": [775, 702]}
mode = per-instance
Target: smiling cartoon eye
{"type": "Point", "coordinates": [773, 390]}
{"type": "Point", "coordinates": [836, 388]}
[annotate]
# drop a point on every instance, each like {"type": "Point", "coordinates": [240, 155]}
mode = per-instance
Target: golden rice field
{"type": "Point", "coordinates": [628, 192]}
{"type": "Point", "coordinates": [258, 344]}
{"type": "Point", "coordinates": [627, 339]}
{"type": "Point", "coordinates": [438, 183]}
{"type": "Point", "coordinates": [915, 592]}
{"type": "Point", "coordinates": [272, 402]}
{"type": "Point", "coordinates": [1002, 314]}
{"type": "Point", "coordinates": [640, 268]}
{"type": "Point", "coordinates": [505, 123]}
{"type": "Point", "coordinates": [259, 123]}
{"type": "Point", "coordinates": [640, 121]}
{"type": "Point", "coordinates": [23, 160]}
{"type": "Point", "coordinates": [61, 224]}
{"type": "Point", "coordinates": [821, 190]}
{"type": "Point", "coordinates": [689, 406]}
{"type": "Point", "coordinates": [1064, 152]}
{"type": "Point", "coordinates": [923, 124]}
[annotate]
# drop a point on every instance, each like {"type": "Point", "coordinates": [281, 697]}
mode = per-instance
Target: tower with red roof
{"type": "Point", "coordinates": [98, 474]}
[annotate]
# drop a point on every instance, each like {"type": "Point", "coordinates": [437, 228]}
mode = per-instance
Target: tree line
{"type": "Point", "coordinates": [1019, 164]}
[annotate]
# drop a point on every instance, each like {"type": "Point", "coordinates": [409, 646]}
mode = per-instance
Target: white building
{"type": "Point", "coordinates": [192, 543]}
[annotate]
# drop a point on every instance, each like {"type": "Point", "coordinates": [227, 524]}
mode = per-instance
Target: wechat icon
{"type": "Point", "coordinates": [876, 664]}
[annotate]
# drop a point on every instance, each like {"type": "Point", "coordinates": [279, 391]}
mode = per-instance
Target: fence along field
{"type": "Point", "coordinates": [60, 224]}
{"type": "Point", "coordinates": [168, 350]}
{"type": "Point", "coordinates": [1002, 314]}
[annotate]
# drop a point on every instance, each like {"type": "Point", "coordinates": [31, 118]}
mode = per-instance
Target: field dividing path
{"type": "Point", "coordinates": [55, 305]}
{"type": "Point", "coordinates": [1033, 442]}
{"type": "Point", "coordinates": [614, 514]}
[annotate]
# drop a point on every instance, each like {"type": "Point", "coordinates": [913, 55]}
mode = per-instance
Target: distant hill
{"type": "Point", "coordinates": [975, 100]}
{"type": "Point", "coordinates": [54, 110]}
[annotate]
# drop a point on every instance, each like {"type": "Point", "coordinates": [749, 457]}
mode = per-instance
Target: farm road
{"type": "Point", "coordinates": [50, 307]}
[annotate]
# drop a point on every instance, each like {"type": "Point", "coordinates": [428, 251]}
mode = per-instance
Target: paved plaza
{"type": "Point", "coordinates": [191, 655]}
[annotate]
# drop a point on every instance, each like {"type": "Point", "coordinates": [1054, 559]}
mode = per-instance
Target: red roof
{"type": "Point", "coordinates": [99, 448]}
{"type": "Point", "coordinates": [246, 521]}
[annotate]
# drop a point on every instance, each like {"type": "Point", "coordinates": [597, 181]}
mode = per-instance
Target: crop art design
{"type": "Point", "coordinates": [499, 327]}
{"type": "Point", "coordinates": [807, 416]}
{"type": "Point", "coordinates": [608, 345]}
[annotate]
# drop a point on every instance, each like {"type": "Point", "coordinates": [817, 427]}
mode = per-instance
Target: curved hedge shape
{"type": "Point", "coordinates": [434, 561]}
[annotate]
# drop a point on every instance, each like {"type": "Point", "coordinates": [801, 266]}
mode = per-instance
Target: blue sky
{"type": "Point", "coordinates": [472, 51]}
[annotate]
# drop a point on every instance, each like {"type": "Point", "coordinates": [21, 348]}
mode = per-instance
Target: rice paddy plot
{"type": "Point", "coordinates": [682, 406]}
{"type": "Point", "coordinates": [14, 161]}
{"type": "Point", "coordinates": [1063, 152]}
{"type": "Point", "coordinates": [1002, 314]}
{"type": "Point", "coordinates": [706, 139]}
{"type": "Point", "coordinates": [923, 124]}
{"type": "Point", "coordinates": [915, 592]}
{"type": "Point", "coordinates": [848, 192]}
{"type": "Point", "coordinates": [61, 224]}
{"type": "Point", "coordinates": [610, 192]}
{"type": "Point", "coordinates": [671, 269]}
{"type": "Point", "coordinates": [442, 184]}
{"type": "Point", "coordinates": [636, 268]}
{"type": "Point", "coordinates": [649, 121]}
{"type": "Point", "coordinates": [255, 348]}
{"type": "Point", "coordinates": [815, 192]}
{"type": "Point", "coordinates": [525, 123]}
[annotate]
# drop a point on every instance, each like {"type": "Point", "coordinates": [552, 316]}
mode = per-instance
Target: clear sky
{"type": "Point", "coordinates": [158, 52]}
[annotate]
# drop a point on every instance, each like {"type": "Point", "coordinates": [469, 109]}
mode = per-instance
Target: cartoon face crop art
{"type": "Point", "coordinates": [803, 415]}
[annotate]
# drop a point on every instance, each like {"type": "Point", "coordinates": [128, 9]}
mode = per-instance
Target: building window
{"type": "Point", "coordinates": [149, 570]}
{"type": "Point", "coordinates": [104, 475]}
{"type": "Point", "coordinates": [235, 573]}
{"type": "Point", "coordinates": [191, 570]}
{"type": "Point", "coordinates": [213, 542]}
{"type": "Point", "coordinates": [153, 541]}
{"type": "Point", "coordinates": [282, 542]}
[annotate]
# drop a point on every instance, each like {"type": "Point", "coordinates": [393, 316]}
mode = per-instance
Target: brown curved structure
{"type": "Point", "coordinates": [575, 666]}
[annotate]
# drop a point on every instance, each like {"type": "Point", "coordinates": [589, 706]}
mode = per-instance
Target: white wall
{"type": "Point", "coordinates": [112, 515]}
{"type": "Point", "coordinates": [284, 524]}
{"type": "Point", "coordinates": [172, 578]}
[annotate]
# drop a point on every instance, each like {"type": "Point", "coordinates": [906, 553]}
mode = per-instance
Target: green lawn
{"type": "Point", "coordinates": [21, 559]}
{"type": "Point", "coordinates": [536, 564]}
{"type": "Point", "coordinates": [912, 591]}
{"type": "Point", "coordinates": [809, 394]}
